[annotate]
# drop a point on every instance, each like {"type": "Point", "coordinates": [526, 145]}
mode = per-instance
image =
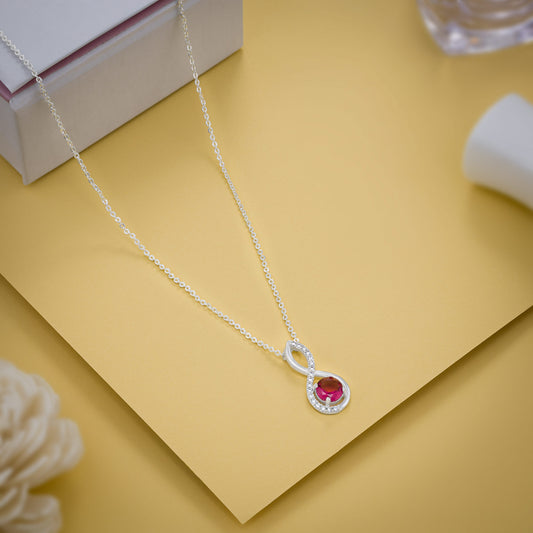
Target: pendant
{"type": "Point", "coordinates": [331, 394]}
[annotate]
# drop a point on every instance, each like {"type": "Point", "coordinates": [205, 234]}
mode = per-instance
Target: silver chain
{"type": "Point", "coordinates": [125, 229]}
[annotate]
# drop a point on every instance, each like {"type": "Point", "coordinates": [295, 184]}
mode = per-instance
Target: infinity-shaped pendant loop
{"type": "Point", "coordinates": [331, 394]}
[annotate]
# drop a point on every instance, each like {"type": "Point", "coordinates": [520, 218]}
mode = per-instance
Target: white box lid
{"type": "Point", "coordinates": [65, 27]}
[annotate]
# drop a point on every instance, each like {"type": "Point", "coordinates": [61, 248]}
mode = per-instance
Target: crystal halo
{"type": "Point", "coordinates": [326, 407]}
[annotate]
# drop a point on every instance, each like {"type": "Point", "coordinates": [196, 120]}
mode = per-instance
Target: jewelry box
{"type": "Point", "coordinates": [103, 64]}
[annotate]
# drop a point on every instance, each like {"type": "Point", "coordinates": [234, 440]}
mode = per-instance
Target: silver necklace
{"type": "Point", "coordinates": [328, 395]}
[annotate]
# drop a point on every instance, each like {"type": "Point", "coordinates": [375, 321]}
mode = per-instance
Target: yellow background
{"type": "Point", "coordinates": [454, 457]}
{"type": "Point", "coordinates": [344, 130]}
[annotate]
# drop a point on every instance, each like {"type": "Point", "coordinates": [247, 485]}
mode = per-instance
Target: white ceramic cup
{"type": "Point", "coordinates": [499, 150]}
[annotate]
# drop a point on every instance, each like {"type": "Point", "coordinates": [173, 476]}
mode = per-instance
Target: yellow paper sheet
{"type": "Point", "coordinates": [455, 457]}
{"type": "Point", "coordinates": [344, 135]}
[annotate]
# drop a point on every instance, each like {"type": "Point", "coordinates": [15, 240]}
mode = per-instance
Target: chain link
{"type": "Point", "coordinates": [132, 236]}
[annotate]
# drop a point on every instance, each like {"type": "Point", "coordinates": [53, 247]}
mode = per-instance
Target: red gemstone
{"type": "Point", "coordinates": [329, 388]}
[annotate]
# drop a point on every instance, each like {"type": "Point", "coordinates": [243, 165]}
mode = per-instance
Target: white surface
{"type": "Point", "coordinates": [499, 152]}
{"type": "Point", "coordinates": [114, 82]}
{"type": "Point", "coordinates": [47, 31]}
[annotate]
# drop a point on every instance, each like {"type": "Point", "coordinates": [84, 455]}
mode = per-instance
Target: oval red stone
{"type": "Point", "coordinates": [329, 387]}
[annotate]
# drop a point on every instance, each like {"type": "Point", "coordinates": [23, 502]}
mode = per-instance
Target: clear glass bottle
{"type": "Point", "coordinates": [474, 26]}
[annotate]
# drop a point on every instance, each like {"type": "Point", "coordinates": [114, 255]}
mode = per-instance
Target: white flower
{"type": "Point", "coordinates": [35, 445]}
